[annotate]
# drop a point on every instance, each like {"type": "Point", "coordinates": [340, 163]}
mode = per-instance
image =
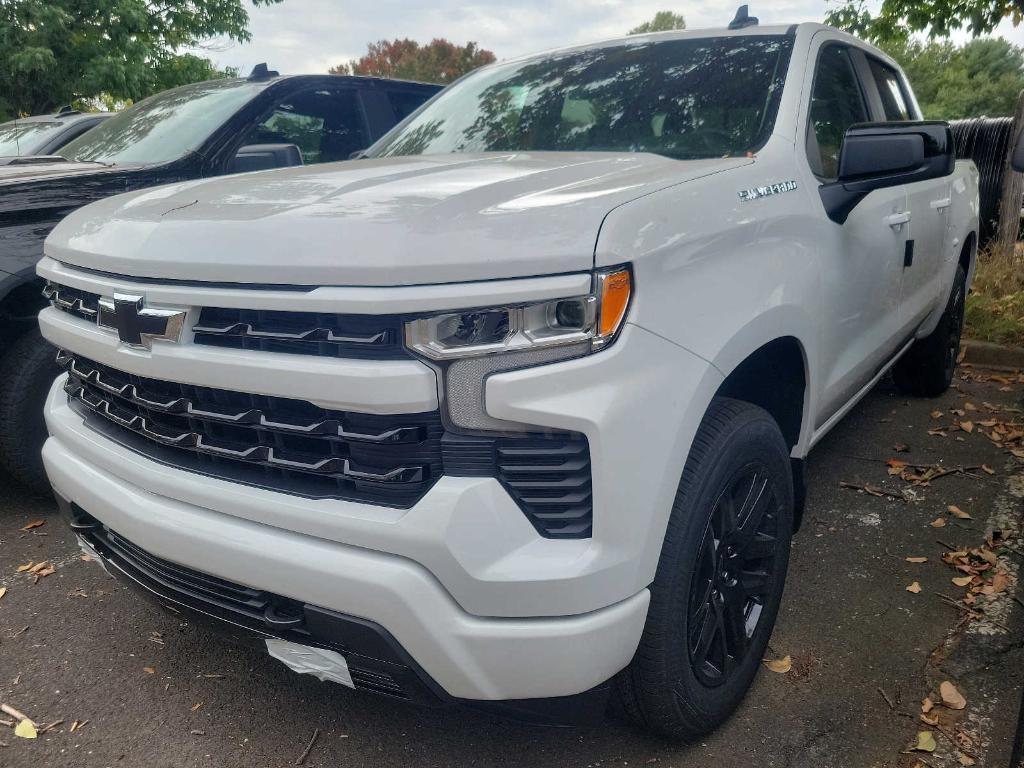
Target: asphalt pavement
{"type": "Point", "coordinates": [154, 692]}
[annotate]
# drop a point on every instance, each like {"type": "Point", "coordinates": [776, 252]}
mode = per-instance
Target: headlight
{"type": "Point", "coordinates": [466, 347]}
{"type": "Point", "coordinates": [591, 321]}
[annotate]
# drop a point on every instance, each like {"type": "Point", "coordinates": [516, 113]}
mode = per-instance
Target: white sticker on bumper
{"type": "Point", "coordinates": [306, 660]}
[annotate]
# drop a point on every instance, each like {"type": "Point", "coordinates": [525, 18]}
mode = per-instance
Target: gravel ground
{"type": "Point", "coordinates": [158, 693]}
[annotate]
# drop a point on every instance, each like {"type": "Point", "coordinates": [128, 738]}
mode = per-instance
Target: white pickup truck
{"type": "Point", "coordinates": [513, 411]}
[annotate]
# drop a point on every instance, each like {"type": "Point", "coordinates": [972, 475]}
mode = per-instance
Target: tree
{"type": "Point", "coordinates": [440, 61]}
{"type": "Point", "coordinates": [896, 18]}
{"type": "Point", "coordinates": [54, 52]}
{"type": "Point", "coordinates": [982, 77]}
{"type": "Point", "coordinates": [663, 21]}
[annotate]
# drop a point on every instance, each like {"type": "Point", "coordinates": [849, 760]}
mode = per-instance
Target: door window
{"type": "Point", "coordinates": [404, 103]}
{"type": "Point", "coordinates": [836, 104]}
{"type": "Point", "coordinates": [326, 125]}
{"type": "Point", "coordinates": [894, 100]}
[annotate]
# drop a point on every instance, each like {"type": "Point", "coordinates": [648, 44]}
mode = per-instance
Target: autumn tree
{"type": "Point", "coordinates": [55, 52]}
{"type": "Point", "coordinates": [663, 21]}
{"type": "Point", "coordinates": [896, 19]}
{"type": "Point", "coordinates": [440, 61]}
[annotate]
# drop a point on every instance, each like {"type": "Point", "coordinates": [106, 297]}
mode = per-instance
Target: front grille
{"type": "Point", "coordinates": [357, 337]}
{"type": "Point", "coordinates": [73, 301]}
{"type": "Point", "coordinates": [270, 442]}
{"type": "Point", "coordinates": [365, 337]}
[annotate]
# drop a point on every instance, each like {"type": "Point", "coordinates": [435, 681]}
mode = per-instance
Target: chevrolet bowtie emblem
{"type": "Point", "coordinates": [137, 325]}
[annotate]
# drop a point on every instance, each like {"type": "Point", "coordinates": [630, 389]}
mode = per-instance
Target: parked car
{"type": "Point", "coordinates": [514, 412]}
{"type": "Point", "coordinates": [192, 132]}
{"type": "Point", "coordinates": [39, 139]}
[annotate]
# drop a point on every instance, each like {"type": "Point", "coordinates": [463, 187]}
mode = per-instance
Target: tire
{"type": "Point", "coordinates": [927, 369]}
{"type": "Point", "coordinates": [28, 370]}
{"type": "Point", "coordinates": [671, 687]}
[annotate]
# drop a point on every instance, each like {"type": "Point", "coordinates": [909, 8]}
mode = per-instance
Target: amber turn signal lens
{"type": "Point", "coordinates": [615, 291]}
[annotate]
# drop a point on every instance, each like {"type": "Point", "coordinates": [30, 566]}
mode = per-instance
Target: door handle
{"type": "Point", "coordinates": [897, 220]}
{"type": "Point", "coordinates": [939, 205]}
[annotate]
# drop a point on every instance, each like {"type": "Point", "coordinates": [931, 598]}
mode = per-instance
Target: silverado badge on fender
{"type": "Point", "coordinates": [746, 195]}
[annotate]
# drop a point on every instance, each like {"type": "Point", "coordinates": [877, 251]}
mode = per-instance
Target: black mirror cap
{"type": "Point", "coordinates": [1017, 161]}
{"type": "Point", "coordinates": [880, 155]}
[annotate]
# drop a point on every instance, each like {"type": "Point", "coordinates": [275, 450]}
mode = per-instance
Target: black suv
{"type": "Point", "coordinates": [195, 131]}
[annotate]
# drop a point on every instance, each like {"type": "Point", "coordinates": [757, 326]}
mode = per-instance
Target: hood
{"type": "Point", "coordinates": [23, 169]}
{"type": "Point", "coordinates": [394, 221]}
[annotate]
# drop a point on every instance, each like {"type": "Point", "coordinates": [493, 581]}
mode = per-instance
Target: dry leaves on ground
{"type": "Point", "coordinates": [951, 697]}
{"type": "Point", "coordinates": [781, 666]}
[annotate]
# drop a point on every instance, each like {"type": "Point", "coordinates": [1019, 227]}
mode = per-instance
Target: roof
{"type": "Point", "coordinates": [59, 117]}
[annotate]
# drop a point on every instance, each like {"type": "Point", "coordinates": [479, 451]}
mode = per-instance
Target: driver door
{"type": "Point", "coordinates": [862, 260]}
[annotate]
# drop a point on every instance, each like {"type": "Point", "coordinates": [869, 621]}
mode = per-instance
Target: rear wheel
{"type": "Point", "coordinates": [720, 578]}
{"type": "Point", "coordinates": [28, 371]}
{"type": "Point", "coordinates": [926, 370]}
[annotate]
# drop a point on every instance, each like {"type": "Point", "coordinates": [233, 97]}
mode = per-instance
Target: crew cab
{"type": "Point", "coordinates": [513, 412]}
{"type": "Point", "coordinates": [195, 131]}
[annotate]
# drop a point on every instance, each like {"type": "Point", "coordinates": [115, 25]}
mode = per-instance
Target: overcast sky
{"type": "Point", "coordinates": [307, 36]}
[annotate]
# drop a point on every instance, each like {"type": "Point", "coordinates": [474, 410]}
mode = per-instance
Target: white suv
{"type": "Point", "coordinates": [513, 412]}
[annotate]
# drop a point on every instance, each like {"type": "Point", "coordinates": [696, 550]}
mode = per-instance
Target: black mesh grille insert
{"type": "Point", "coordinates": [366, 337]}
{"type": "Point", "coordinates": [271, 442]}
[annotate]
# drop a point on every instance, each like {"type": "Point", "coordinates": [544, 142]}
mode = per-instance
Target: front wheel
{"type": "Point", "coordinates": [926, 370]}
{"type": "Point", "coordinates": [720, 578]}
{"type": "Point", "coordinates": [28, 370]}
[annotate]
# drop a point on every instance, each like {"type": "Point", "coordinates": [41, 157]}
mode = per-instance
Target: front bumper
{"type": "Point", "coordinates": [469, 657]}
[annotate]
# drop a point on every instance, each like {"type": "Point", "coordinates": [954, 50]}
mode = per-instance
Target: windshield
{"type": "Point", "coordinates": [18, 138]}
{"type": "Point", "coordinates": [684, 98]}
{"type": "Point", "coordinates": [163, 127]}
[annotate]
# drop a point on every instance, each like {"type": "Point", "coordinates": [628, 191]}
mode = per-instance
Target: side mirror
{"type": "Point", "coordinates": [880, 155]}
{"type": "Point", "coordinates": [263, 157]}
{"type": "Point", "coordinates": [1017, 161]}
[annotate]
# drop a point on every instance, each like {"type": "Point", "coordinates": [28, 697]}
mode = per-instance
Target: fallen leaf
{"type": "Point", "coordinates": [33, 524]}
{"type": "Point", "coordinates": [915, 588]}
{"type": "Point", "coordinates": [937, 414]}
{"type": "Point", "coordinates": [951, 697]}
{"type": "Point", "coordinates": [966, 759]}
{"type": "Point", "coordinates": [38, 566]}
{"type": "Point", "coordinates": [955, 511]}
{"type": "Point", "coordinates": [85, 558]}
{"type": "Point", "coordinates": [988, 556]}
{"type": "Point", "coordinates": [197, 705]}
{"type": "Point", "coordinates": [47, 571]}
{"type": "Point", "coordinates": [782, 666]}
{"type": "Point", "coordinates": [26, 566]}
{"type": "Point", "coordinates": [149, 670]}
{"type": "Point", "coordinates": [987, 469]}
{"type": "Point", "coordinates": [939, 522]}
{"type": "Point", "coordinates": [970, 407]}
{"type": "Point", "coordinates": [967, 426]}
{"type": "Point", "coordinates": [26, 729]}
{"type": "Point", "coordinates": [925, 742]}
{"type": "Point", "coordinates": [963, 581]}
{"type": "Point", "coordinates": [927, 705]}
{"type": "Point", "coordinates": [3, 591]}
{"type": "Point", "coordinates": [917, 559]}
{"type": "Point", "coordinates": [901, 448]}
{"type": "Point", "coordinates": [930, 719]}
{"type": "Point", "coordinates": [999, 584]}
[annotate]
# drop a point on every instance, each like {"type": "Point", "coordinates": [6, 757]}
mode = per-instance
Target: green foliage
{"type": "Point", "coordinates": [896, 18]}
{"type": "Point", "coordinates": [56, 52]}
{"type": "Point", "coordinates": [440, 61]}
{"type": "Point", "coordinates": [983, 77]}
{"type": "Point", "coordinates": [663, 21]}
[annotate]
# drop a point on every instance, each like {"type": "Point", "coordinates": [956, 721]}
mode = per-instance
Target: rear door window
{"type": "Point", "coordinates": [404, 103]}
{"type": "Point", "coordinates": [895, 103]}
